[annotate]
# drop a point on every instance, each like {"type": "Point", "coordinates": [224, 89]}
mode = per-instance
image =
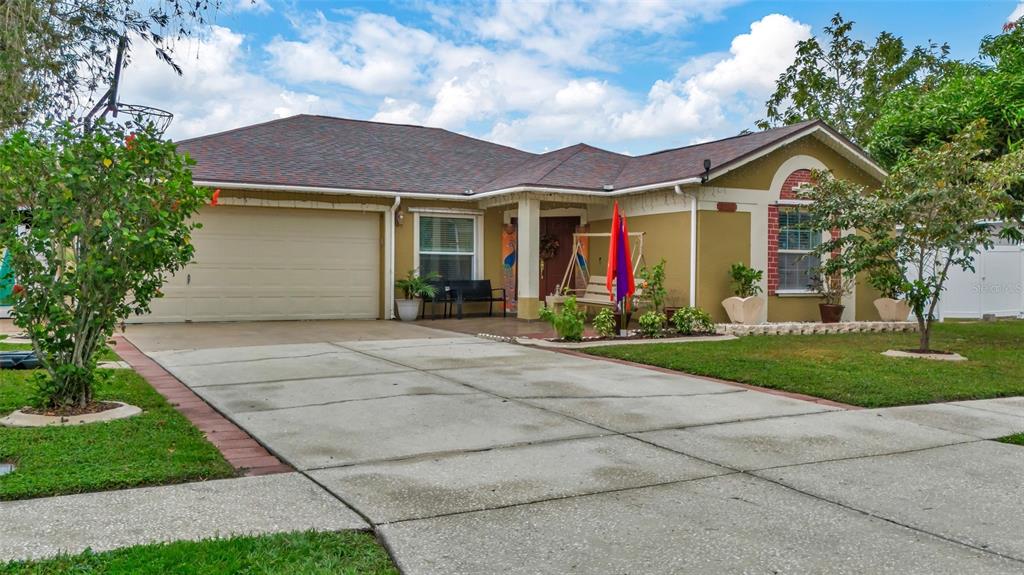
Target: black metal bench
{"type": "Point", "coordinates": [443, 295]}
{"type": "Point", "coordinates": [477, 291]}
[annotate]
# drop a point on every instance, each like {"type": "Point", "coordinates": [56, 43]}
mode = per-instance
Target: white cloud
{"type": "Point", "coordinates": [716, 94]}
{"type": "Point", "coordinates": [217, 91]}
{"type": "Point", "coordinates": [513, 73]}
{"type": "Point", "coordinates": [1017, 14]}
{"type": "Point", "coordinates": [257, 6]}
{"type": "Point", "coordinates": [704, 94]}
{"type": "Point", "coordinates": [574, 33]}
{"type": "Point", "coordinates": [374, 54]}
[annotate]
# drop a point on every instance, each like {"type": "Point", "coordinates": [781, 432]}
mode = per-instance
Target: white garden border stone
{"type": "Point", "coordinates": [813, 328]}
{"type": "Point", "coordinates": [603, 342]}
{"type": "Point", "coordinates": [933, 356]}
{"type": "Point", "coordinates": [22, 419]}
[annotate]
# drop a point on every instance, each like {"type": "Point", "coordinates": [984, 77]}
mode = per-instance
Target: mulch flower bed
{"type": "Point", "coordinates": [72, 410]}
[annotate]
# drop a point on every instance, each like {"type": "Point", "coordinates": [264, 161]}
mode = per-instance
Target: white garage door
{"type": "Point", "coordinates": [271, 263]}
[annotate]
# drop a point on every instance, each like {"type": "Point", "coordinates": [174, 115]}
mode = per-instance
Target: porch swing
{"type": "Point", "coordinates": [596, 291]}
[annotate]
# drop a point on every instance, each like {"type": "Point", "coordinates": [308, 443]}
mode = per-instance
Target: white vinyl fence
{"type": "Point", "coordinates": [995, 287]}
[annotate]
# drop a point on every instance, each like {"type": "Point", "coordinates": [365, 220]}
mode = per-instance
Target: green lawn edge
{"type": "Point", "coordinates": [310, 552]}
{"type": "Point", "coordinates": [849, 368]}
{"type": "Point", "coordinates": [1015, 439]}
{"type": "Point", "coordinates": [158, 447]}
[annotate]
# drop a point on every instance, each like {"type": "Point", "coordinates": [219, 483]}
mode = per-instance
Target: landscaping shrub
{"type": "Point", "coordinates": [568, 323]}
{"type": "Point", "coordinates": [95, 223]}
{"type": "Point", "coordinates": [690, 320]}
{"type": "Point", "coordinates": [652, 323]}
{"type": "Point", "coordinates": [604, 323]}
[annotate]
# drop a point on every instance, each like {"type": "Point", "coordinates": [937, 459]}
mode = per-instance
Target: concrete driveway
{"type": "Point", "coordinates": [473, 456]}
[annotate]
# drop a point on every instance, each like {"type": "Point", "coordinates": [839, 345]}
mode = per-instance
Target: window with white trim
{"type": "Point", "coordinates": [447, 246]}
{"type": "Point", "coordinates": [797, 240]}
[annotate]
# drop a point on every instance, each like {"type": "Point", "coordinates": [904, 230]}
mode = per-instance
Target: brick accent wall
{"type": "Point", "coordinates": [794, 180]}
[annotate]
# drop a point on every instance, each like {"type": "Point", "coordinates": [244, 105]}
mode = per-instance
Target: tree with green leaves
{"type": "Point", "coordinates": [55, 53]}
{"type": "Point", "coordinates": [94, 223]}
{"type": "Point", "coordinates": [846, 82]}
{"type": "Point", "coordinates": [990, 87]}
{"type": "Point", "coordinates": [927, 218]}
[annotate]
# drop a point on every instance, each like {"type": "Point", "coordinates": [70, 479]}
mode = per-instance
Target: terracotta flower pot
{"type": "Point", "coordinates": [745, 310]}
{"type": "Point", "coordinates": [892, 309]}
{"type": "Point", "coordinates": [831, 313]}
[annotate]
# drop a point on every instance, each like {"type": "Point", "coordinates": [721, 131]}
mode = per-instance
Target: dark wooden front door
{"type": "Point", "coordinates": [552, 270]}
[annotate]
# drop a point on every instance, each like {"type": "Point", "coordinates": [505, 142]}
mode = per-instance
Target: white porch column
{"type": "Point", "coordinates": [528, 258]}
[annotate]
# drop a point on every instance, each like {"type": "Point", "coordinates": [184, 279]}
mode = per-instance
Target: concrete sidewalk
{"type": "Point", "coordinates": [35, 528]}
{"type": "Point", "coordinates": [473, 456]}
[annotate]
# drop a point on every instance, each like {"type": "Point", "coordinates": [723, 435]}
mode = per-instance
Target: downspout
{"type": "Point", "coordinates": [389, 261]}
{"type": "Point", "coordinates": [693, 246]}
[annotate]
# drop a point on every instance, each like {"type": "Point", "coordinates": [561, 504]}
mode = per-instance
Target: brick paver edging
{"type": "Point", "coordinates": [768, 390]}
{"type": "Point", "coordinates": [240, 449]}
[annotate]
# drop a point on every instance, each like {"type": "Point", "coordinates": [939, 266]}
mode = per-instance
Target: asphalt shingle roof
{"type": "Point", "coordinates": [326, 152]}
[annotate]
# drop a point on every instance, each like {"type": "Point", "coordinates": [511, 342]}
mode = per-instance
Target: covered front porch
{"type": "Point", "coordinates": [536, 242]}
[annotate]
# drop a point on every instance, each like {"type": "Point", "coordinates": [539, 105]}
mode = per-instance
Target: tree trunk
{"type": "Point", "coordinates": [923, 331]}
{"type": "Point", "coordinates": [925, 328]}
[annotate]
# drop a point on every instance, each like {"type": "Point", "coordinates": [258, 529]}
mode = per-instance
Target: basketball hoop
{"type": "Point", "coordinates": [137, 113]}
{"type": "Point", "coordinates": [145, 115]}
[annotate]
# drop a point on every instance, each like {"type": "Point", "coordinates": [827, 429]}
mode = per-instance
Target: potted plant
{"type": "Point", "coordinates": [414, 286]}
{"type": "Point", "coordinates": [832, 284]}
{"type": "Point", "coordinates": [744, 307]}
{"type": "Point", "coordinates": [891, 306]}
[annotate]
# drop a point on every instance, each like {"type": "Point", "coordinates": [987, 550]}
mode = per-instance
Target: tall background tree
{"type": "Point", "coordinates": [846, 82]}
{"type": "Point", "coordinates": [990, 87]}
{"type": "Point", "coordinates": [55, 53]}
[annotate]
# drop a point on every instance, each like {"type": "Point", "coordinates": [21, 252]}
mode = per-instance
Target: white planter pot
{"type": "Point", "coordinates": [892, 309]}
{"type": "Point", "coordinates": [745, 310]}
{"type": "Point", "coordinates": [408, 309]}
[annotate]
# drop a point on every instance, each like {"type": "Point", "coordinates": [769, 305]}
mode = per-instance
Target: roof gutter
{"type": "Point", "coordinates": [449, 197]}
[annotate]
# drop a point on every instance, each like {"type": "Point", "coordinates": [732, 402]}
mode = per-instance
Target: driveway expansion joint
{"type": "Point", "coordinates": [302, 378]}
{"type": "Point", "coordinates": [727, 473]}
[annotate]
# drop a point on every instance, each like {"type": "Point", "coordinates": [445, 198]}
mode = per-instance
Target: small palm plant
{"type": "Point", "coordinates": [415, 285]}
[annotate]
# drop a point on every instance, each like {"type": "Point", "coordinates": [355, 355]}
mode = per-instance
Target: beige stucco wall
{"type": "Point", "coordinates": [723, 238]}
{"type": "Point", "coordinates": [793, 308]}
{"type": "Point", "coordinates": [758, 174]}
{"type": "Point", "coordinates": [667, 236]}
{"type": "Point", "coordinates": [866, 296]}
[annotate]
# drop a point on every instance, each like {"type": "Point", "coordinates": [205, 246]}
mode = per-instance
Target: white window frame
{"type": "Point", "coordinates": [478, 243]}
{"type": "Point", "coordinates": [787, 204]}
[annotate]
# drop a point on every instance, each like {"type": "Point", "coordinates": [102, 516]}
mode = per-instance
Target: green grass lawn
{"type": "Point", "coordinates": [157, 447]}
{"type": "Point", "coordinates": [105, 354]}
{"type": "Point", "coordinates": [1017, 439]}
{"type": "Point", "coordinates": [849, 368]}
{"type": "Point", "coordinates": [345, 553]}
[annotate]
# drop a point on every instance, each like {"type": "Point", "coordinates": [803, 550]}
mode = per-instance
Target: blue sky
{"type": "Point", "coordinates": [632, 77]}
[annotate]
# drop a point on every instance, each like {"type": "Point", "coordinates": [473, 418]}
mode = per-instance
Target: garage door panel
{"type": "Point", "coordinates": [266, 263]}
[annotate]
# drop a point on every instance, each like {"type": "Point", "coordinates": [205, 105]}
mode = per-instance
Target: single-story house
{"type": "Point", "coordinates": [318, 215]}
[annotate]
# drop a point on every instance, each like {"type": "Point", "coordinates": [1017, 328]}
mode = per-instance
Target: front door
{"type": "Point", "coordinates": [555, 251]}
